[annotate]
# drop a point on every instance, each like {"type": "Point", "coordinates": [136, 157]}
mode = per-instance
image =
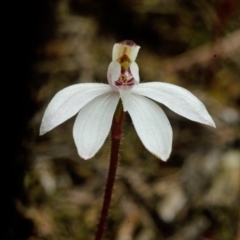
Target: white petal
{"type": "Point", "coordinates": [125, 94]}
{"type": "Point", "coordinates": [177, 99]}
{"type": "Point", "coordinates": [135, 72]}
{"type": "Point", "coordinates": [113, 73]}
{"type": "Point", "coordinates": [93, 124]}
{"type": "Point", "coordinates": [69, 101]}
{"type": "Point", "coordinates": [152, 126]}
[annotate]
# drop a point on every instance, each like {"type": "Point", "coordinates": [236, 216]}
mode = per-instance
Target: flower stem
{"type": "Point", "coordinates": [116, 133]}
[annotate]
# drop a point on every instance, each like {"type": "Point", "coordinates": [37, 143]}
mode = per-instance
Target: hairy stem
{"type": "Point", "coordinates": [116, 133]}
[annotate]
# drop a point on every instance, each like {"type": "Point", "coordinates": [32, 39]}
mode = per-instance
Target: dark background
{"type": "Point", "coordinates": [51, 193]}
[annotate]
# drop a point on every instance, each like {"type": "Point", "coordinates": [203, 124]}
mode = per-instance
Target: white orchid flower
{"type": "Point", "coordinates": [96, 103]}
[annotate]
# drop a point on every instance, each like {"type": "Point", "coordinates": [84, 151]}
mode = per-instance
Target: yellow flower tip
{"type": "Point", "coordinates": [125, 50]}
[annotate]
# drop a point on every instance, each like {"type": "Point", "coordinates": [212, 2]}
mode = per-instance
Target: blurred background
{"type": "Point", "coordinates": [53, 194]}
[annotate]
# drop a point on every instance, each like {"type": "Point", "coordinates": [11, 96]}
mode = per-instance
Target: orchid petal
{"type": "Point", "coordinates": [176, 98]}
{"type": "Point", "coordinates": [113, 73]}
{"type": "Point", "coordinates": [152, 126]}
{"type": "Point", "coordinates": [125, 94]}
{"type": "Point", "coordinates": [135, 72]}
{"type": "Point", "coordinates": [69, 101]}
{"type": "Point", "coordinates": [93, 124]}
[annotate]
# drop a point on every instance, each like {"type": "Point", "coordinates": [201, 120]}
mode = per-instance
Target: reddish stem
{"type": "Point", "coordinates": [116, 133]}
